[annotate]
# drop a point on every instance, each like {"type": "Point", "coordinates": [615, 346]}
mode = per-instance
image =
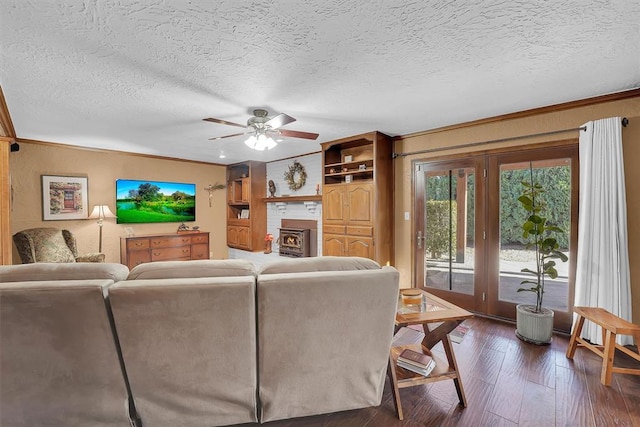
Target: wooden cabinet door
{"type": "Point", "coordinates": [360, 201]}
{"type": "Point", "coordinates": [232, 236]}
{"type": "Point", "coordinates": [244, 238]}
{"type": "Point", "coordinates": [360, 246]}
{"type": "Point", "coordinates": [238, 237]}
{"type": "Point", "coordinates": [334, 204]}
{"type": "Point", "coordinates": [230, 197]}
{"type": "Point", "coordinates": [333, 245]}
{"type": "Point", "coordinates": [246, 190]}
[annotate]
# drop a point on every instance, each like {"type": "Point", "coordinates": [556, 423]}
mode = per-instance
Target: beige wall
{"type": "Point", "coordinates": [544, 122]}
{"type": "Point", "coordinates": [102, 170]}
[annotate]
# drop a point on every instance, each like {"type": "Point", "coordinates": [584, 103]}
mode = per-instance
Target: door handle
{"type": "Point", "coordinates": [420, 239]}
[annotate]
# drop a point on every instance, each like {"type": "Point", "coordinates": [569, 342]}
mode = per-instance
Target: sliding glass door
{"type": "Point", "coordinates": [468, 232]}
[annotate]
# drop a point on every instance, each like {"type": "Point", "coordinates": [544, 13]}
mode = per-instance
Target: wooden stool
{"type": "Point", "coordinates": [611, 326]}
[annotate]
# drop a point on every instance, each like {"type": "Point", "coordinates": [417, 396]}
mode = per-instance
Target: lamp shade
{"type": "Point", "coordinates": [101, 212]}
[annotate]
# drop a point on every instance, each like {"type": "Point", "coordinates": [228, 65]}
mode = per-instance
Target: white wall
{"type": "Point", "coordinates": [312, 164]}
{"type": "Point", "coordinates": [298, 210]}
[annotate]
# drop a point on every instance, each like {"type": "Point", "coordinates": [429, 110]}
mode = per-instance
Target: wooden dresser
{"type": "Point", "coordinates": [186, 246]}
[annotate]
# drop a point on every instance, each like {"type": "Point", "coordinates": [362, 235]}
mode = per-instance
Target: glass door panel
{"type": "Point", "coordinates": [556, 169]}
{"type": "Point", "coordinates": [446, 250]}
{"type": "Point", "coordinates": [555, 177]}
{"type": "Point", "coordinates": [449, 241]}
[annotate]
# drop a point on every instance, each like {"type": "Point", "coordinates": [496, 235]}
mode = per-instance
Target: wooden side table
{"type": "Point", "coordinates": [433, 310]}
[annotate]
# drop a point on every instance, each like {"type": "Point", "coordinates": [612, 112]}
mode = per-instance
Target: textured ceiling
{"type": "Point", "coordinates": [139, 76]}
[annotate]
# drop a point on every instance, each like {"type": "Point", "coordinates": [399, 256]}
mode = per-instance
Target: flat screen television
{"type": "Point", "coordinates": [140, 201]}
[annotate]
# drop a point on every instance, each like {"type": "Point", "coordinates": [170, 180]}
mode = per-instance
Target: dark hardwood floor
{"type": "Point", "coordinates": [507, 383]}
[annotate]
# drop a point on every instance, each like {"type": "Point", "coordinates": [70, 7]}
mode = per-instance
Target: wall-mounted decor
{"type": "Point", "coordinates": [295, 176]}
{"type": "Point", "coordinates": [64, 197]}
{"type": "Point", "coordinates": [215, 187]}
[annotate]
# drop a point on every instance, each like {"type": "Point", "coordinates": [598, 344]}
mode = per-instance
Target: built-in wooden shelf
{"type": "Point", "coordinates": [308, 198]}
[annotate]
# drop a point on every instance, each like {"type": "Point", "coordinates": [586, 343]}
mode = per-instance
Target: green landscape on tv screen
{"type": "Point", "coordinates": [154, 201]}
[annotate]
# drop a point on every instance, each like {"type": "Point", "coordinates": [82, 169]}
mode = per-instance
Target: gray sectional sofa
{"type": "Point", "coordinates": [197, 343]}
{"type": "Point", "coordinates": [59, 364]}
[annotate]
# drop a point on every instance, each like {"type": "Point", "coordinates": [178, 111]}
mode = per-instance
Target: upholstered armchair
{"type": "Point", "coordinates": [50, 245]}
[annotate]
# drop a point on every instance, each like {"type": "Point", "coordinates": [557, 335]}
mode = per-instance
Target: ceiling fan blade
{"type": "Point", "coordinates": [229, 136]}
{"type": "Point", "coordinates": [279, 121]}
{"type": "Point", "coordinates": [223, 122]}
{"type": "Point", "coordinates": [298, 134]}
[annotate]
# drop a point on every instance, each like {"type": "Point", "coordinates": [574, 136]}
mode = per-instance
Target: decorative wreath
{"type": "Point", "coordinates": [296, 176]}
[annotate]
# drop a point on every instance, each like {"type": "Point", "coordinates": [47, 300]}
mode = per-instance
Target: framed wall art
{"type": "Point", "coordinates": [64, 197]}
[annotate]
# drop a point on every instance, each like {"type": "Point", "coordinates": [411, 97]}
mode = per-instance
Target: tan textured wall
{"type": "Point", "coordinates": [102, 170]}
{"type": "Point", "coordinates": [547, 122]}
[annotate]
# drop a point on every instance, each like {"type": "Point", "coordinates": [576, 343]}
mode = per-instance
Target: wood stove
{"type": "Point", "coordinates": [297, 239]}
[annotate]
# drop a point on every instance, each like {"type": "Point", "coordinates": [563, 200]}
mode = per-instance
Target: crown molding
{"type": "Point", "coordinates": [6, 125]}
{"type": "Point", "coordinates": [103, 150]}
{"type": "Point", "coordinates": [617, 96]}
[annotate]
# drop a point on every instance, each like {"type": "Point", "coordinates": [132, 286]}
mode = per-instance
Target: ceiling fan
{"type": "Point", "coordinates": [263, 129]}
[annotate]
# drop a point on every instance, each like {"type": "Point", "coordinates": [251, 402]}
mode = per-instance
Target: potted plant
{"type": "Point", "coordinates": [535, 322]}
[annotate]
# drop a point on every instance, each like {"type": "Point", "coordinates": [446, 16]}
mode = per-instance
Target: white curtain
{"type": "Point", "coordinates": [602, 277]}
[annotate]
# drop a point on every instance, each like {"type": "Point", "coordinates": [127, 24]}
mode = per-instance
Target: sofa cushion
{"type": "Point", "coordinates": [323, 263]}
{"type": "Point", "coordinates": [324, 340]}
{"type": "Point", "coordinates": [66, 271]}
{"type": "Point", "coordinates": [60, 366]}
{"type": "Point", "coordinates": [192, 269]}
{"type": "Point", "coordinates": [189, 347]}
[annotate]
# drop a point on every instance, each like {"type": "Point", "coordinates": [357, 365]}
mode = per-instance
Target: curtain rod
{"type": "Point", "coordinates": [625, 122]}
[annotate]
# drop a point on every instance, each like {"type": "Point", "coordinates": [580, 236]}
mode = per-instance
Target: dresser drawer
{"type": "Point", "coordinates": [164, 254]}
{"type": "Point", "coordinates": [200, 251]}
{"type": "Point", "coordinates": [334, 229]}
{"type": "Point", "coordinates": [360, 231]}
{"type": "Point", "coordinates": [138, 257]}
{"type": "Point", "coordinates": [199, 238]}
{"type": "Point", "coordinates": [137, 244]}
{"type": "Point", "coordinates": [167, 242]}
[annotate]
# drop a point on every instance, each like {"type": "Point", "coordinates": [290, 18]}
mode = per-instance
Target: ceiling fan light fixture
{"type": "Point", "coordinates": [251, 142]}
{"type": "Point", "coordinates": [271, 143]}
{"type": "Point", "coordinates": [264, 132]}
{"type": "Point", "coordinates": [260, 142]}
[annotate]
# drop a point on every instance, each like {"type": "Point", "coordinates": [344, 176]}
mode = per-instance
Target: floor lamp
{"type": "Point", "coordinates": [101, 212]}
